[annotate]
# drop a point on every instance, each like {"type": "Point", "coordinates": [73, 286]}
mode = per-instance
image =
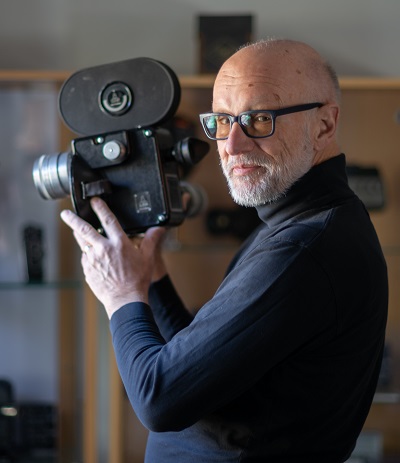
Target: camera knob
{"type": "Point", "coordinates": [112, 150]}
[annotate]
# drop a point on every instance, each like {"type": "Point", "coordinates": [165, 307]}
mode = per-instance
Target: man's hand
{"type": "Point", "coordinates": [118, 269]}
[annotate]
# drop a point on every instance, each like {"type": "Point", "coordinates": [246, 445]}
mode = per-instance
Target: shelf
{"type": "Point", "coordinates": [387, 397]}
{"type": "Point", "coordinates": [369, 83]}
{"type": "Point", "coordinates": [33, 76]}
{"type": "Point", "coordinates": [346, 82]}
{"type": "Point", "coordinates": [13, 285]}
{"type": "Point", "coordinates": [195, 80]}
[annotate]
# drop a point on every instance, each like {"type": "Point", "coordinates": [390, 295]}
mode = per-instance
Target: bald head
{"type": "Point", "coordinates": [295, 66]}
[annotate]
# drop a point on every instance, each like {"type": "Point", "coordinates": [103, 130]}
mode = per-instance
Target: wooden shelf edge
{"type": "Point", "coordinates": [195, 80]}
{"type": "Point", "coordinates": [369, 83]}
{"type": "Point", "coordinates": [33, 76]}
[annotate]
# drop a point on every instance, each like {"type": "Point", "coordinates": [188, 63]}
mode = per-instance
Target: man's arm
{"type": "Point", "coordinates": [168, 309]}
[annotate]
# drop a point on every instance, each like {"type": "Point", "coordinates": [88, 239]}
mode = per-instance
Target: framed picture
{"type": "Point", "coordinates": [220, 37]}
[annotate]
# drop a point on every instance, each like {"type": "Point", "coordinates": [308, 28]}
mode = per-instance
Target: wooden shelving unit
{"type": "Point", "coordinates": [370, 135]}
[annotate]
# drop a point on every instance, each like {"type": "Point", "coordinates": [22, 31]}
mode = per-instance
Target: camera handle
{"type": "Point", "coordinates": [96, 188]}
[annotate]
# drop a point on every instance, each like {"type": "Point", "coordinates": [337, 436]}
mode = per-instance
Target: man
{"type": "Point", "coordinates": [282, 363]}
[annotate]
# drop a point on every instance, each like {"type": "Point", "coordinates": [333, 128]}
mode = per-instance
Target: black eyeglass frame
{"type": "Point", "coordinates": [274, 113]}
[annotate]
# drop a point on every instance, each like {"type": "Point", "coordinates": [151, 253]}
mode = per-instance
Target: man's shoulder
{"type": "Point", "coordinates": [335, 222]}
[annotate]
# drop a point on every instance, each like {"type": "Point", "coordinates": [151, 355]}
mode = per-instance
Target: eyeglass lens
{"type": "Point", "coordinates": [257, 124]}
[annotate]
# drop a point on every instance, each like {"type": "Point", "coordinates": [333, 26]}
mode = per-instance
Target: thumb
{"type": "Point", "coordinates": [154, 238]}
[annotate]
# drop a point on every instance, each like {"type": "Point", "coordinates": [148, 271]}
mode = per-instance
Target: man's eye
{"type": "Point", "coordinates": [223, 120]}
{"type": "Point", "coordinates": [262, 118]}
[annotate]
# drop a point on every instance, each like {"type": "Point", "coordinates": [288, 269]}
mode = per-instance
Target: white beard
{"type": "Point", "coordinates": [270, 182]}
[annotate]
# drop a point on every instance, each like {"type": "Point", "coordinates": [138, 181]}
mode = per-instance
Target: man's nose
{"type": "Point", "coordinates": [238, 142]}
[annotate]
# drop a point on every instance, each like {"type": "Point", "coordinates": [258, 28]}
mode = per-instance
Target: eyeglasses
{"type": "Point", "coordinates": [255, 124]}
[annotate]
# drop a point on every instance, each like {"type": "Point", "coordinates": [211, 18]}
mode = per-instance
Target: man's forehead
{"type": "Point", "coordinates": [273, 77]}
{"type": "Point", "coordinates": [250, 90]}
{"type": "Point", "coordinates": [249, 69]}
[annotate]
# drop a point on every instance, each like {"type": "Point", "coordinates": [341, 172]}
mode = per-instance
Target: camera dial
{"type": "Point", "coordinates": [116, 99]}
{"type": "Point", "coordinates": [113, 150]}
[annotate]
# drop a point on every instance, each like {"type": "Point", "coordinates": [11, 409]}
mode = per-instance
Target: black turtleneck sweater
{"type": "Point", "coordinates": [282, 363]}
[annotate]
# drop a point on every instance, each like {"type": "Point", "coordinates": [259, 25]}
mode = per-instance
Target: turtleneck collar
{"type": "Point", "coordinates": [323, 185]}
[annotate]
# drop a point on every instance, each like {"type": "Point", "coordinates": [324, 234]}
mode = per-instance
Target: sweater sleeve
{"type": "Point", "coordinates": [168, 309]}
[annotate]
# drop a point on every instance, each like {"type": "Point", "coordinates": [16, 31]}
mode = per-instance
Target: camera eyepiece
{"type": "Point", "coordinates": [190, 151]}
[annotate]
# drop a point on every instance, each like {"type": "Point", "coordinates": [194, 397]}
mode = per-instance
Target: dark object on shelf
{"type": "Point", "coordinates": [220, 37]}
{"type": "Point", "coordinates": [6, 391]}
{"type": "Point", "coordinates": [367, 184]}
{"type": "Point", "coordinates": [7, 422]}
{"type": "Point", "coordinates": [28, 431]}
{"type": "Point", "coordinates": [239, 222]}
{"type": "Point", "coordinates": [37, 428]}
{"type": "Point", "coordinates": [33, 240]}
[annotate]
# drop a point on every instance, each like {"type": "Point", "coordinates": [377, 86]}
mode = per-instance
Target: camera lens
{"type": "Point", "coordinates": [51, 175]}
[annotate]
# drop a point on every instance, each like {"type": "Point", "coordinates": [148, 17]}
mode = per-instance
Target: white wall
{"type": "Point", "coordinates": [359, 37]}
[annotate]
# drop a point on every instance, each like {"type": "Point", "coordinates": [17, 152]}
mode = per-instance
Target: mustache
{"type": "Point", "coordinates": [247, 161]}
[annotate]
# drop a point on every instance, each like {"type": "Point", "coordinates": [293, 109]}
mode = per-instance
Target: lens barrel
{"type": "Point", "coordinates": [51, 175]}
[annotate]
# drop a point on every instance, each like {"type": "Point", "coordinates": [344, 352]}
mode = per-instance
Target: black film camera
{"type": "Point", "coordinates": [127, 154]}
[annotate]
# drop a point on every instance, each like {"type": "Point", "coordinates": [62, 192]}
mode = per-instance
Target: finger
{"type": "Point", "coordinates": [82, 229]}
{"type": "Point", "coordinates": [82, 243]}
{"type": "Point", "coordinates": [107, 218]}
{"type": "Point", "coordinates": [154, 237]}
{"type": "Point", "coordinates": [185, 201]}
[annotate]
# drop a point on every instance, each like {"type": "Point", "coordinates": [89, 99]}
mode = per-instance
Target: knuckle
{"type": "Point", "coordinates": [110, 219]}
{"type": "Point", "coordinates": [85, 229]}
{"type": "Point", "coordinates": [119, 245]}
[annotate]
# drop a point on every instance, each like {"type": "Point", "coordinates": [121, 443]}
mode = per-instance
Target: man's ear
{"type": "Point", "coordinates": [327, 124]}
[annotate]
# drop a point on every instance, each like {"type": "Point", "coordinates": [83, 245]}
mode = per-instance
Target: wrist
{"type": "Point", "coordinates": [116, 303]}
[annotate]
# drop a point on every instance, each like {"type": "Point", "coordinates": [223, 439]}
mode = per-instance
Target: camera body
{"type": "Point", "coordinates": [134, 172]}
{"type": "Point", "coordinates": [127, 155]}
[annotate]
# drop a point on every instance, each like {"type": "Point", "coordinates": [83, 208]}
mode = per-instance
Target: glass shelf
{"type": "Point", "coordinates": [387, 397]}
